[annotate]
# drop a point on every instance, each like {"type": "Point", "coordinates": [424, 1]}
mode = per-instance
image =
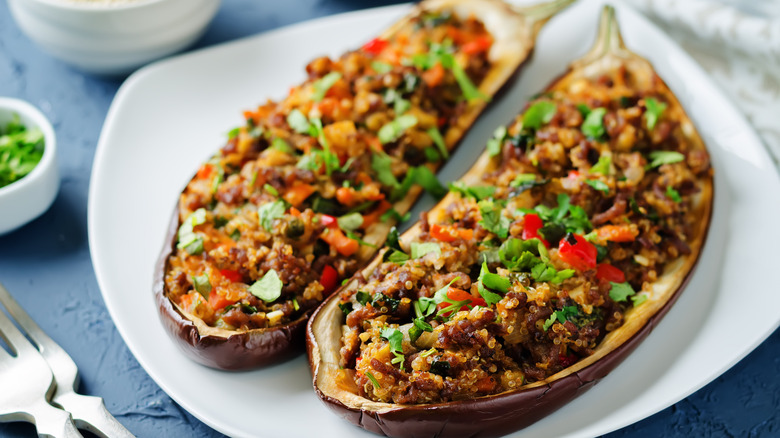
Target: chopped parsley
{"type": "Point", "coordinates": [566, 216]}
{"type": "Point", "coordinates": [422, 249]}
{"type": "Point", "coordinates": [653, 112]}
{"type": "Point", "coordinates": [488, 280]}
{"type": "Point", "coordinates": [673, 194]}
{"type": "Point", "coordinates": [395, 339]}
{"type": "Point", "coordinates": [20, 150]}
{"type": "Point", "coordinates": [392, 213]}
{"type": "Point", "coordinates": [350, 222]}
{"type": "Point", "coordinates": [381, 67]}
{"type": "Point", "coordinates": [593, 126]}
{"type": "Point", "coordinates": [441, 53]}
{"type": "Point", "coordinates": [561, 316]}
{"type": "Point", "coordinates": [602, 166]}
{"type": "Point", "coordinates": [202, 285]}
{"type": "Point", "coordinates": [438, 140]}
{"type": "Point", "coordinates": [393, 130]}
{"type": "Point", "coordinates": [638, 299]}
{"type": "Point", "coordinates": [477, 192]}
{"type": "Point", "coordinates": [664, 157]}
{"type": "Point", "coordinates": [382, 164]}
{"type": "Point", "coordinates": [268, 288]}
{"type": "Point", "coordinates": [269, 212]}
{"type": "Point", "coordinates": [346, 308]}
{"type": "Point", "coordinates": [298, 121]}
{"type": "Point", "coordinates": [322, 85]}
{"type": "Point", "coordinates": [362, 297]}
{"type": "Point", "coordinates": [620, 291]}
{"type": "Point", "coordinates": [271, 189]}
{"type": "Point", "coordinates": [538, 114]}
{"type": "Point", "coordinates": [494, 144]}
{"type": "Point", "coordinates": [492, 219]}
{"type": "Point", "coordinates": [188, 239]}
{"type": "Point", "coordinates": [599, 185]}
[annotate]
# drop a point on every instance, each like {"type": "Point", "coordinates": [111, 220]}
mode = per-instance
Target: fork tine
{"type": "Point", "coordinates": [13, 337]}
{"type": "Point", "coordinates": [35, 333]}
{"type": "Point", "coordinates": [88, 412]}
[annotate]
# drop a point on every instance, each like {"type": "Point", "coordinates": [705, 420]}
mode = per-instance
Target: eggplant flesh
{"type": "Point", "coordinates": [513, 33]}
{"type": "Point", "coordinates": [508, 411]}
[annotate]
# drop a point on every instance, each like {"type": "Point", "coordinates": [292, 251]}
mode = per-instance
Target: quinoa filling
{"type": "Point", "coordinates": [524, 274]}
{"type": "Point", "coordinates": [274, 221]}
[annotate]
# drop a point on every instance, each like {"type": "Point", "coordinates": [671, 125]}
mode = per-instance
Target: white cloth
{"type": "Point", "coordinates": [738, 43]}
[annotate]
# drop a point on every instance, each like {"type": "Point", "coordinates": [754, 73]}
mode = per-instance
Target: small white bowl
{"type": "Point", "coordinates": [25, 199]}
{"type": "Point", "coordinates": [113, 36]}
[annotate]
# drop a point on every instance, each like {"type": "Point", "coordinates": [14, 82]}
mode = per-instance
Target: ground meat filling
{"type": "Point", "coordinates": [273, 222]}
{"type": "Point", "coordinates": [526, 273]}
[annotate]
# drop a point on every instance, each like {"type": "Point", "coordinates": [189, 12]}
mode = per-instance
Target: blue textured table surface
{"type": "Point", "coordinates": [46, 264]}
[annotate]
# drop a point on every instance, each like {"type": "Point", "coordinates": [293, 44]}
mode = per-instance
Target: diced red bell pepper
{"type": "Point", "coordinates": [455, 294]}
{"type": "Point", "coordinates": [531, 225]}
{"type": "Point", "coordinates": [607, 272]}
{"type": "Point", "coordinates": [375, 46]}
{"type": "Point", "coordinates": [231, 275]}
{"type": "Point", "coordinates": [580, 253]}
{"type": "Point", "coordinates": [480, 44]}
{"type": "Point", "coordinates": [327, 220]}
{"type": "Point", "coordinates": [329, 279]}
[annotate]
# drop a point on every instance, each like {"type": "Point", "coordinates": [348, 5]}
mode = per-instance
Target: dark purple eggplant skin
{"type": "Point", "coordinates": [493, 415]}
{"type": "Point", "coordinates": [240, 351]}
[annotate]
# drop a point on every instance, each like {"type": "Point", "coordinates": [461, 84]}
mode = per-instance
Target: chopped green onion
{"type": "Point", "coordinates": [322, 85]}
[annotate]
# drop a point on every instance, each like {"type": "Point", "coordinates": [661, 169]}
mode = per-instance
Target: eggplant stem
{"type": "Point", "coordinates": [539, 14]}
{"type": "Point", "coordinates": [609, 39]}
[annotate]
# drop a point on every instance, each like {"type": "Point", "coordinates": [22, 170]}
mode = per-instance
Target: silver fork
{"type": "Point", "coordinates": [88, 412]}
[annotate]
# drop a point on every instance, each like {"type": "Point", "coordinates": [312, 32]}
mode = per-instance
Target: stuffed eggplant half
{"type": "Point", "coordinates": [539, 271]}
{"type": "Point", "coordinates": [307, 188]}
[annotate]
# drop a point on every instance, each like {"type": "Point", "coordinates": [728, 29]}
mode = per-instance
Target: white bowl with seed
{"type": "Point", "coordinates": [113, 36]}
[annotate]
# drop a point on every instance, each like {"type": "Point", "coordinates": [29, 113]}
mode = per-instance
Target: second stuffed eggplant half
{"type": "Point", "coordinates": [544, 266]}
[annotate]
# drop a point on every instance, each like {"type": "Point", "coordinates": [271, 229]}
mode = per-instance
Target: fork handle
{"type": "Point", "coordinates": [90, 413]}
{"type": "Point", "coordinates": [51, 422]}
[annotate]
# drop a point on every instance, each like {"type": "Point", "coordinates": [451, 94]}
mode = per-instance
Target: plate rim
{"type": "Point", "coordinates": [139, 76]}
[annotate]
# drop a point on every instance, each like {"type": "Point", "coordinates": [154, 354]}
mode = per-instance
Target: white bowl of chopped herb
{"type": "Point", "coordinates": [29, 178]}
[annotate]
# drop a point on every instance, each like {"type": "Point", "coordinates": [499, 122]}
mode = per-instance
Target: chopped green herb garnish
{"type": "Point", "coordinates": [664, 157]}
{"type": "Point", "coordinates": [522, 179]}
{"type": "Point", "coordinates": [233, 133]}
{"type": "Point", "coordinates": [673, 194]}
{"type": "Point", "coordinates": [235, 234]}
{"type": "Point", "coordinates": [438, 140]}
{"type": "Point", "coordinates": [362, 297]}
{"type": "Point", "coordinates": [202, 285]}
{"type": "Point", "coordinates": [188, 240]}
{"type": "Point", "coordinates": [593, 126]}
{"type": "Point", "coordinates": [373, 380]}
{"type": "Point", "coordinates": [432, 155]}
{"type": "Point", "coordinates": [352, 235]}
{"type": "Point", "coordinates": [477, 192]}
{"type": "Point", "coordinates": [393, 130]}
{"type": "Point", "coordinates": [421, 249]}
{"type": "Point", "coordinates": [395, 338]}
{"type": "Point", "coordinates": [346, 308]}
{"type": "Point", "coordinates": [492, 219]}
{"type": "Point", "coordinates": [350, 222]}
{"type": "Point", "coordinates": [538, 114]}
{"type": "Point", "coordinates": [561, 316]}
{"type": "Point", "coordinates": [381, 67]}
{"type": "Point", "coordinates": [322, 85]}
{"type": "Point", "coordinates": [654, 111]}
{"type": "Point", "coordinates": [382, 164]}
{"type": "Point", "coordinates": [598, 185]}
{"type": "Point", "coordinates": [602, 166]}
{"type": "Point", "coordinates": [298, 307]}
{"type": "Point", "coordinates": [268, 288]}
{"type": "Point", "coordinates": [620, 291]}
{"type": "Point", "coordinates": [494, 144]}
{"type": "Point", "coordinates": [491, 281]}
{"type": "Point", "coordinates": [20, 150]}
{"type": "Point", "coordinates": [281, 145]}
{"type": "Point", "coordinates": [269, 212]}
{"type": "Point", "coordinates": [271, 189]}
{"type": "Point", "coordinates": [638, 299]}
{"type": "Point", "coordinates": [298, 121]}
